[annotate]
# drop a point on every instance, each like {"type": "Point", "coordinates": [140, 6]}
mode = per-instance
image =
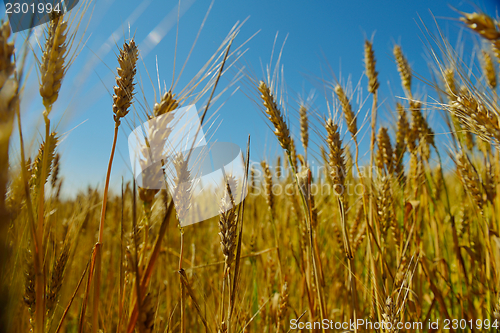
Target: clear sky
{"type": "Point", "coordinates": [318, 34]}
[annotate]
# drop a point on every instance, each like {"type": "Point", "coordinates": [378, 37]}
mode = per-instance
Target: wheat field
{"type": "Point", "coordinates": [394, 242]}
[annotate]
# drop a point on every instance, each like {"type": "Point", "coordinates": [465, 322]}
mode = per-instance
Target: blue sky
{"type": "Point", "coordinates": [318, 34]}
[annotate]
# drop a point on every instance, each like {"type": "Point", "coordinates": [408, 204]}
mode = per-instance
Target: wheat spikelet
{"type": "Point", "coordinates": [486, 27]}
{"type": "Point", "coordinates": [155, 143]}
{"type": "Point", "coordinates": [384, 204]}
{"type": "Point", "coordinates": [278, 167]}
{"type": "Point", "coordinates": [354, 229]}
{"type": "Point", "coordinates": [9, 102]}
{"type": "Point", "coordinates": [449, 82]}
{"type": "Point", "coordinates": [438, 182]}
{"type": "Point", "coordinates": [29, 282]}
{"type": "Point", "coordinates": [389, 315]}
{"type": "Point", "coordinates": [490, 183]}
{"type": "Point", "coordinates": [314, 212]}
{"type": "Point", "coordinates": [7, 64]}
{"type": "Point", "coordinates": [275, 116]}
{"type": "Point", "coordinates": [227, 223]}
{"type": "Point", "coordinates": [349, 115]}
{"type": "Point", "coordinates": [338, 235]}
{"type": "Point", "coordinates": [57, 277]}
{"type": "Point", "coordinates": [146, 318]}
{"type": "Point", "coordinates": [476, 117]}
{"type": "Point", "coordinates": [167, 103]}
{"type": "Point", "coordinates": [55, 170]}
{"type": "Point", "coordinates": [360, 237]}
{"type": "Point", "coordinates": [469, 179]}
{"type": "Point", "coordinates": [403, 69]}
{"type": "Point", "coordinates": [36, 180]}
{"type": "Point", "coordinates": [336, 157]}
{"type": "Point", "coordinates": [252, 179]}
{"type": "Point", "coordinates": [268, 184]}
{"type": "Point", "coordinates": [403, 127]}
{"type": "Point", "coordinates": [304, 127]}
{"type": "Point", "coordinates": [371, 73]}
{"type": "Point", "coordinates": [482, 24]}
{"type": "Point", "coordinates": [182, 187]}
{"type": "Point", "coordinates": [124, 89]}
{"type": "Point", "coordinates": [421, 129]}
{"type": "Point", "coordinates": [489, 70]}
{"type": "Point", "coordinates": [283, 304]}
{"type": "Point", "coordinates": [401, 273]}
{"type": "Point", "coordinates": [385, 153]}
{"type": "Point", "coordinates": [293, 155]}
{"type": "Point", "coordinates": [52, 67]}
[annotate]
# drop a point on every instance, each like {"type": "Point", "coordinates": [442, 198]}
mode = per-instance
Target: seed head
{"type": "Point", "coordinates": [349, 115]}
{"type": "Point", "coordinates": [275, 116]}
{"type": "Point", "coordinates": [371, 73]}
{"type": "Point", "coordinates": [124, 90]}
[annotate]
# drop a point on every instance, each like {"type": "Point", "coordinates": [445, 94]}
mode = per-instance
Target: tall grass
{"type": "Point", "coordinates": [415, 242]}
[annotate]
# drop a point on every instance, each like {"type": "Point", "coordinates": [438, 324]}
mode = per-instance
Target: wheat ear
{"type": "Point", "coordinates": [122, 100]}
{"type": "Point", "coordinates": [52, 68]}
{"type": "Point", "coordinates": [403, 69]}
{"type": "Point", "coordinates": [275, 116]}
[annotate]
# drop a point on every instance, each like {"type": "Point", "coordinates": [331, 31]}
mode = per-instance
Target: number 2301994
{"type": "Point", "coordinates": [25, 8]}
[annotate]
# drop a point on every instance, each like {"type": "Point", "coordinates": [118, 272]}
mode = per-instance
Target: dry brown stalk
{"type": "Point", "coordinates": [275, 116]}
